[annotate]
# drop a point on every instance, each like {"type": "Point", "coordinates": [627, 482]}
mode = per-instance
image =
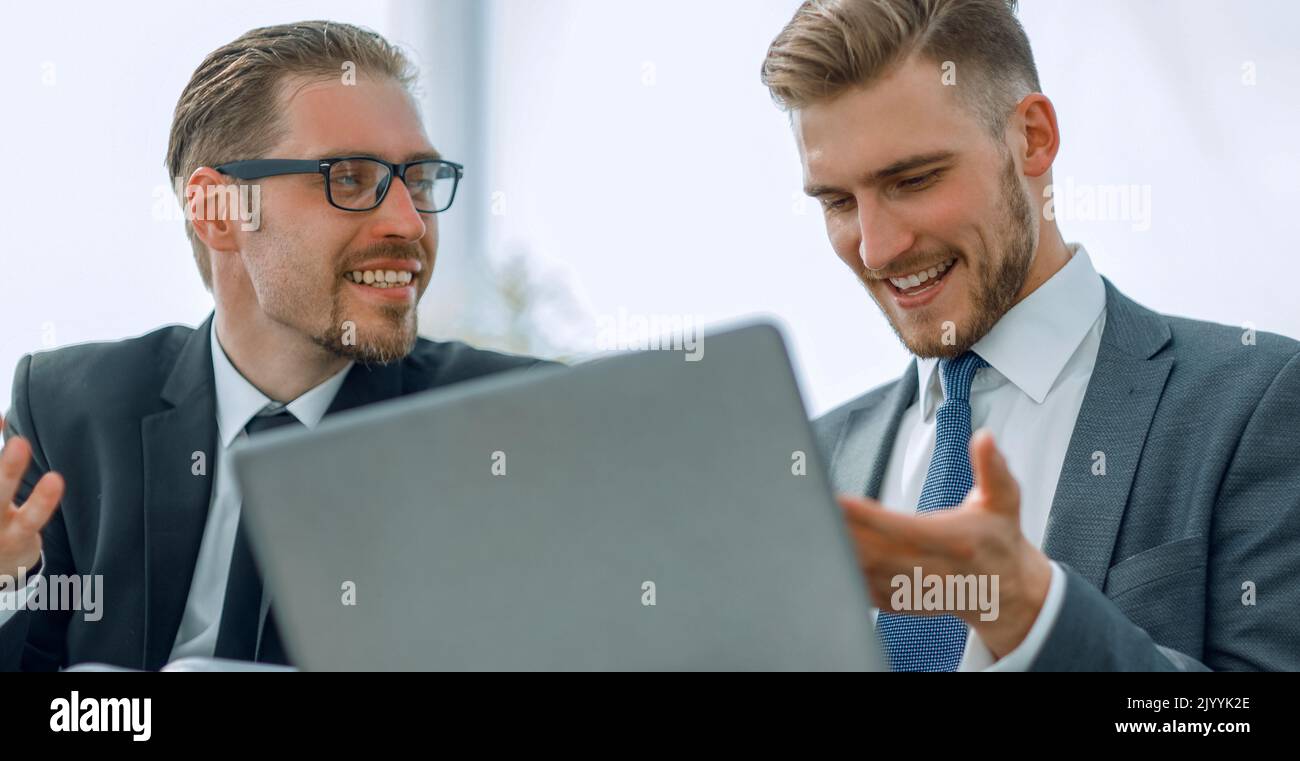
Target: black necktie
{"type": "Point", "coordinates": [237, 637]}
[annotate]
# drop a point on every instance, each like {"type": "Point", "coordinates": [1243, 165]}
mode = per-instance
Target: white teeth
{"type": "Point", "coordinates": [912, 281]}
{"type": "Point", "coordinates": [381, 278]}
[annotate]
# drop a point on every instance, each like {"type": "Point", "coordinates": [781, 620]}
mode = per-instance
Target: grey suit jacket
{"type": "Point", "coordinates": [1199, 504]}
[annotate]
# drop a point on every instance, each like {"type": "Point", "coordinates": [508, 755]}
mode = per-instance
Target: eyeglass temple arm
{"type": "Point", "coordinates": [258, 168]}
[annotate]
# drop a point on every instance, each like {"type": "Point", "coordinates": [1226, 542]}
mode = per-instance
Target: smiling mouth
{"type": "Point", "coordinates": [921, 282]}
{"type": "Point", "coordinates": [380, 278]}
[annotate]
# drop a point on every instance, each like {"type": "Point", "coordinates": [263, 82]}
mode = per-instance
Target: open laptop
{"type": "Point", "coordinates": [639, 512]}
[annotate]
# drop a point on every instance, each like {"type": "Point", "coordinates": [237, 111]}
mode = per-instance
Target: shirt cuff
{"type": "Point", "coordinates": [978, 657]}
{"type": "Point", "coordinates": [14, 600]}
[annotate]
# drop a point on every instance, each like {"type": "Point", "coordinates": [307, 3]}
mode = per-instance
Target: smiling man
{"type": "Point", "coordinates": [1141, 507]}
{"type": "Point", "coordinates": [112, 461]}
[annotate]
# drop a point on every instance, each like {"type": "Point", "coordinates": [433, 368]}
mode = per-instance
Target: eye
{"type": "Point", "coordinates": [836, 203]}
{"type": "Point", "coordinates": [916, 183]}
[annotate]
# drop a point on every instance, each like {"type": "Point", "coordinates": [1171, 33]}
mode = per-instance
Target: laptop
{"type": "Point", "coordinates": [639, 512]}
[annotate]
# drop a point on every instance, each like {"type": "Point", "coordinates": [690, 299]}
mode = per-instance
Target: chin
{"type": "Point", "coordinates": [376, 352]}
{"type": "Point", "coordinates": [373, 339]}
{"type": "Point", "coordinates": [925, 338]}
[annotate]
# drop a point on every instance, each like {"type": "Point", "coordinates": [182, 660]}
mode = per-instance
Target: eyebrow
{"type": "Point", "coordinates": [432, 153]}
{"type": "Point", "coordinates": [902, 166]}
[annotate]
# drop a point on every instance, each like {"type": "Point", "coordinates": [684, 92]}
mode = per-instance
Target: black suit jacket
{"type": "Point", "coordinates": [121, 422]}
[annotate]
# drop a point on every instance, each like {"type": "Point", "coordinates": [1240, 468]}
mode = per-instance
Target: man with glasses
{"type": "Point", "coordinates": [112, 466]}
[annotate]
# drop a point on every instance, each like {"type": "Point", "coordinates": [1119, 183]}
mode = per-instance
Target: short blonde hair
{"type": "Point", "coordinates": [229, 109]}
{"type": "Point", "coordinates": [833, 45]}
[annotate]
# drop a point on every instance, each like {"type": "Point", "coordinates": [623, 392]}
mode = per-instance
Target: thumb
{"type": "Point", "coordinates": [993, 479]}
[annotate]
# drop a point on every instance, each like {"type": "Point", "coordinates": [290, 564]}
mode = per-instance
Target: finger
{"type": "Point", "coordinates": [885, 536]}
{"type": "Point", "coordinates": [885, 531]}
{"type": "Point", "coordinates": [864, 508]}
{"type": "Point", "coordinates": [13, 461]}
{"type": "Point", "coordinates": [878, 556]}
{"type": "Point", "coordinates": [873, 548]}
{"type": "Point", "coordinates": [869, 517]}
{"type": "Point", "coordinates": [993, 478]}
{"type": "Point", "coordinates": [886, 568]}
{"type": "Point", "coordinates": [850, 502]}
{"type": "Point", "coordinates": [41, 503]}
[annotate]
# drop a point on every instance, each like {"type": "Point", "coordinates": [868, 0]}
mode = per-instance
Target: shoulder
{"type": "Point", "coordinates": [78, 391]}
{"type": "Point", "coordinates": [1216, 360]}
{"type": "Point", "coordinates": [1213, 344]}
{"type": "Point", "coordinates": [1220, 379]}
{"type": "Point", "coordinates": [102, 371]}
{"type": "Point", "coordinates": [1199, 350]}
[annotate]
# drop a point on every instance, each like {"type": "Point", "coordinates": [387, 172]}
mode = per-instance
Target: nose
{"type": "Point", "coordinates": [882, 236]}
{"type": "Point", "coordinates": [396, 217]}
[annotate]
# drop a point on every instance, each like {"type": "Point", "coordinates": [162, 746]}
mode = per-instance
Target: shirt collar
{"type": "Point", "coordinates": [1034, 340]}
{"type": "Point", "coordinates": [238, 401]}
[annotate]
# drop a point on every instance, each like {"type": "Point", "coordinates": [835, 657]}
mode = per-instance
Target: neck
{"type": "Point", "coordinates": [279, 361]}
{"type": "Point", "coordinates": [1050, 256]}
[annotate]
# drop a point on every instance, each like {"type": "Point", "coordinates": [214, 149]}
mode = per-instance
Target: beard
{"type": "Point", "coordinates": [394, 339]}
{"type": "Point", "coordinates": [995, 283]}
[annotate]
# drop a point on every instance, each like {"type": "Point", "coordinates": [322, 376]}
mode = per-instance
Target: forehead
{"type": "Point", "coordinates": [909, 111]}
{"type": "Point", "coordinates": [373, 116]}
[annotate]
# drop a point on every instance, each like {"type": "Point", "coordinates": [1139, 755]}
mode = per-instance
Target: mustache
{"type": "Point", "coordinates": [401, 251]}
{"type": "Point", "coordinates": [871, 274]}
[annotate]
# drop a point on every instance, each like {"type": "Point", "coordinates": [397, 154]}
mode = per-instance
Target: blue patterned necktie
{"type": "Point", "coordinates": [935, 643]}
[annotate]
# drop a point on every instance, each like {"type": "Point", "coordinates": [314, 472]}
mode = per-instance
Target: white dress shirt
{"type": "Point", "coordinates": [238, 401]}
{"type": "Point", "coordinates": [1041, 355]}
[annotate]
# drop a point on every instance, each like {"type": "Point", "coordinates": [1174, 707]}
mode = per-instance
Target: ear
{"type": "Point", "coordinates": [208, 204]}
{"type": "Point", "coordinates": [1042, 138]}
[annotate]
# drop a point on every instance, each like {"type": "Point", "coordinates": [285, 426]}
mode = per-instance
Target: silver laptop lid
{"type": "Point", "coordinates": [638, 512]}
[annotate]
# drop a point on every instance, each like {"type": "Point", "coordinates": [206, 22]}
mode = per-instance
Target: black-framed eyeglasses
{"type": "Point", "coordinates": [360, 183]}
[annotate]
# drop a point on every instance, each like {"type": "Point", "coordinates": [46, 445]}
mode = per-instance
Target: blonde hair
{"type": "Point", "coordinates": [830, 46]}
{"type": "Point", "coordinates": [229, 111]}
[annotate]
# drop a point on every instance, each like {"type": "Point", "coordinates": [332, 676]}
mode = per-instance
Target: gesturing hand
{"type": "Point", "coordinates": [980, 536]}
{"type": "Point", "coordinates": [20, 527]}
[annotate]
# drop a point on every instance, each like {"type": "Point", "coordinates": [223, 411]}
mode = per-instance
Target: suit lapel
{"type": "Point", "coordinates": [176, 497]}
{"type": "Point", "coordinates": [1117, 410]}
{"type": "Point", "coordinates": [368, 384]}
{"type": "Point", "coordinates": [858, 464]}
